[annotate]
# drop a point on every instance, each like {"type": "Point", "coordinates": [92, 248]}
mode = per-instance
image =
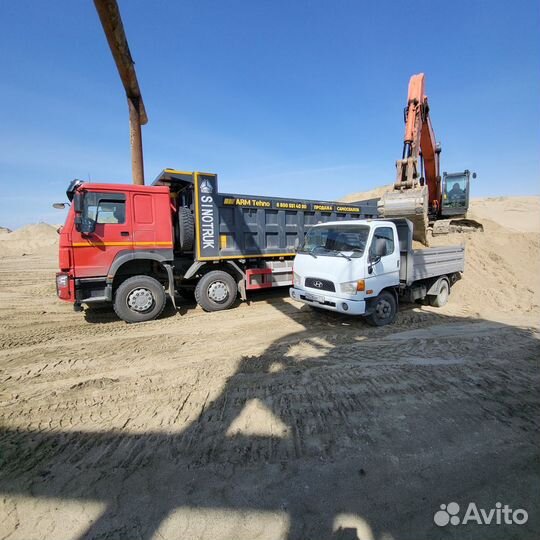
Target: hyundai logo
{"type": "Point", "coordinates": [318, 284]}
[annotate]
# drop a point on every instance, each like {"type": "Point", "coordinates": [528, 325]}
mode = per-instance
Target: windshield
{"type": "Point", "coordinates": [455, 192]}
{"type": "Point", "coordinates": [335, 239]}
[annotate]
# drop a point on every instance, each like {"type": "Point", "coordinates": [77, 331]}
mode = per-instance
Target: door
{"type": "Point", "coordinates": [384, 270]}
{"type": "Point", "coordinates": [94, 252]}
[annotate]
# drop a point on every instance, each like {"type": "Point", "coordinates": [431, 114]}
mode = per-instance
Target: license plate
{"type": "Point", "coordinates": [315, 298]}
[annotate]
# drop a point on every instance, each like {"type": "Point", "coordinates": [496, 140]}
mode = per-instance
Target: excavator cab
{"type": "Point", "coordinates": [455, 193]}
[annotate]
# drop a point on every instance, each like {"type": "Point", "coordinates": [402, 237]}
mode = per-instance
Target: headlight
{"type": "Point", "coordinates": [62, 281]}
{"type": "Point", "coordinates": [352, 287]}
{"type": "Point", "coordinates": [297, 280]}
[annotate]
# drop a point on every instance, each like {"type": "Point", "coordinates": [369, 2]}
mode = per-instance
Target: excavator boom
{"type": "Point", "coordinates": [417, 184]}
{"type": "Point", "coordinates": [418, 193]}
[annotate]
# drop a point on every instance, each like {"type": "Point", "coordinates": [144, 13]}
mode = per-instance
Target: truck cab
{"type": "Point", "coordinates": [341, 265]}
{"type": "Point", "coordinates": [112, 231]}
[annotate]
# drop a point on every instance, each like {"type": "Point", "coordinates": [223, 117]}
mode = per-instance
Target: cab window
{"type": "Point", "coordinates": [387, 234]}
{"type": "Point", "coordinates": [105, 208]}
{"type": "Point", "coordinates": [455, 192]}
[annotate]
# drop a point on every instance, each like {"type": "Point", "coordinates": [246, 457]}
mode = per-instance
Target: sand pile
{"type": "Point", "coordinates": [36, 238]}
{"type": "Point", "coordinates": [502, 269]}
{"type": "Point", "coordinates": [375, 193]}
{"type": "Point", "coordinates": [515, 213]}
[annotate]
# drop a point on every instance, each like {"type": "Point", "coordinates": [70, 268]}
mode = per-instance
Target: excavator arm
{"type": "Point", "coordinates": [419, 143]}
{"type": "Point", "coordinates": [416, 191]}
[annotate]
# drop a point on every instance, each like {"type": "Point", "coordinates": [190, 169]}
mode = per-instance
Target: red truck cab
{"type": "Point", "coordinates": [109, 231]}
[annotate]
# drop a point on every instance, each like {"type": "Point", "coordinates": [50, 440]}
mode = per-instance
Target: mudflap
{"type": "Point", "coordinates": [410, 203]}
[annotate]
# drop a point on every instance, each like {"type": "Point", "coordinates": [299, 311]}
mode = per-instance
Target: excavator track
{"type": "Point", "coordinates": [456, 225]}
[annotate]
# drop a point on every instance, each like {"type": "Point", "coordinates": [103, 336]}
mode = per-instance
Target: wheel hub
{"type": "Point", "coordinates": [140, 300]}
{"type": "Point", "coordinates": [218, 291]}
{"type": "Point", "coordinates": [383, 309]}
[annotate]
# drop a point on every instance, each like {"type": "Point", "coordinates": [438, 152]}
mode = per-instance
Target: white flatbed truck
{"type": "Point", "coordinates": [366, 267]}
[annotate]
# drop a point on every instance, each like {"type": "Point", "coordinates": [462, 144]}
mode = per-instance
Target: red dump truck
{"type": "Point", "coordinates": [135, 246]}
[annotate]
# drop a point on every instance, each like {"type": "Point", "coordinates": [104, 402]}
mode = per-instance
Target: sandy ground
{"type": "Point", "coordinates": [269, 421]}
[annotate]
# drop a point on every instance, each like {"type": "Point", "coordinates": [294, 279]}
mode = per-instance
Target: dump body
{"type": "Point", "coordinates": [238, 226]}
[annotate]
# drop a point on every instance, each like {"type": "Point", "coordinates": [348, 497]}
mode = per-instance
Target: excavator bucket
{"type": "Point", "coordinates": [408, 203]}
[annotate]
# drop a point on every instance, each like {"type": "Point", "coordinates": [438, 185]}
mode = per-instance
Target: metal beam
{"type": "Point", "coordinates": [110, 18]}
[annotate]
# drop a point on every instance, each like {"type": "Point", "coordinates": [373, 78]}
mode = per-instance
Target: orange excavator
{"type": "Point", "coordinates": [432, 203]}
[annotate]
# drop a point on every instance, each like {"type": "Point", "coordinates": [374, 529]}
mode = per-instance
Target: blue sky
{"type": "Point", "coordinates": [296, 99]}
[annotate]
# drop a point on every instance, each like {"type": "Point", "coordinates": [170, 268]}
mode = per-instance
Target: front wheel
{"type": "Point", "coordinates": [384, 309]}
{"type": "Point", "coordinates": [139, 299]}
{"type": "Point", "coordinates": [216, 291]}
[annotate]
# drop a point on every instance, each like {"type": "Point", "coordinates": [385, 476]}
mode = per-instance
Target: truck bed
{"type": "Point", "coordinates": [428, 263]}
{"type": "Point", "coordinates": [239, 226]}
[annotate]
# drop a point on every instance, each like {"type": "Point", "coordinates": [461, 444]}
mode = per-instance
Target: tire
{"type": "Point", "coordinates": [216, 291]}
{"type": "Point", "coordinates": [442, 298]}
{"type": "Point", "coordinates": [186, 229]}
{"type": "Point", "coordinates": [139, 299]}
{"type": "Point", "coordinates": [384, 310]}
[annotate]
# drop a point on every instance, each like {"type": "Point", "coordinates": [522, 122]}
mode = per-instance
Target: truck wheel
{"type": "Point", "coordinates": [186, 229]}
{"type": "Point", "coordinates": [139, 299]}
{"type": "Point", "coordinates": [442, 298]}
{"type": "Point", "coordinates": [384, 310]}
{"type": "Point", "coordinates": [216, 291]}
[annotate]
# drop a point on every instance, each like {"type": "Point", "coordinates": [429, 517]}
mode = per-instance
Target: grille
{"type": "Point", "coordinates": [320, 284]}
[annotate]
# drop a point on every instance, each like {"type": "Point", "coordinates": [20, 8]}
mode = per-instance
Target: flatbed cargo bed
{"type": "Point", "coordinates": [421, 264]}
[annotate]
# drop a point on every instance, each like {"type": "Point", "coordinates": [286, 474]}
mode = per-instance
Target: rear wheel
{"type": "Point", "coordinates": [216, 291]}
{"type": "Point", "coordinates": [139, 299]}
{"type": "Point", "coordinates": [384, 309]}
{"type": "Point", "coordinates": [442, 298]}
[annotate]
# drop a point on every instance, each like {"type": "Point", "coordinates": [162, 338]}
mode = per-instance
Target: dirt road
{"type": "Point", "coordinates": [266, 421]}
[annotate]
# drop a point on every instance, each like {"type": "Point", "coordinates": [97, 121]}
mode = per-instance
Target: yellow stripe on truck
{"type": "Point", "coordinates": [134, 244]}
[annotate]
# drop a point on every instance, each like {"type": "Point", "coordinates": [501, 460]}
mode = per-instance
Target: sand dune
{"type": "Point", "coordinates": [35, 238]}
{"type": "Point", "coordinates": [513, 213]}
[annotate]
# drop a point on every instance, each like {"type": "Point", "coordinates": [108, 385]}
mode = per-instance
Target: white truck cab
{"type": "Point", "coordinates": [363, 267]}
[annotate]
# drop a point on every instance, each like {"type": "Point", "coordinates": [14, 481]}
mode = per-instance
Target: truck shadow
{"type": "Point", "coordinates": [339, 437]}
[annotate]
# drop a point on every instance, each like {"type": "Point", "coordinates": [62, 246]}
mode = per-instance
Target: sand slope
{"type": "Point", "coordinates": [35, 238]}
{"type": "Point", "coordinates": [374, 193]}
{"type": "Point", "coordinates": [514, 213]}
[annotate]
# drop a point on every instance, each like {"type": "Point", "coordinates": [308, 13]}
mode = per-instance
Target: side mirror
{"type": "Point", "coordinates": [86, 226]}
{"type": "Point", "coordinates": [59, 205]}
{"type": "Point", "coordinates": [296, 243]}
{"type": "Point", "coordinates": [78, 203]}
{"type": "Point", "coordinates": [474, 175]}
{"type": "Point", "coordinates": [379, 248]}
